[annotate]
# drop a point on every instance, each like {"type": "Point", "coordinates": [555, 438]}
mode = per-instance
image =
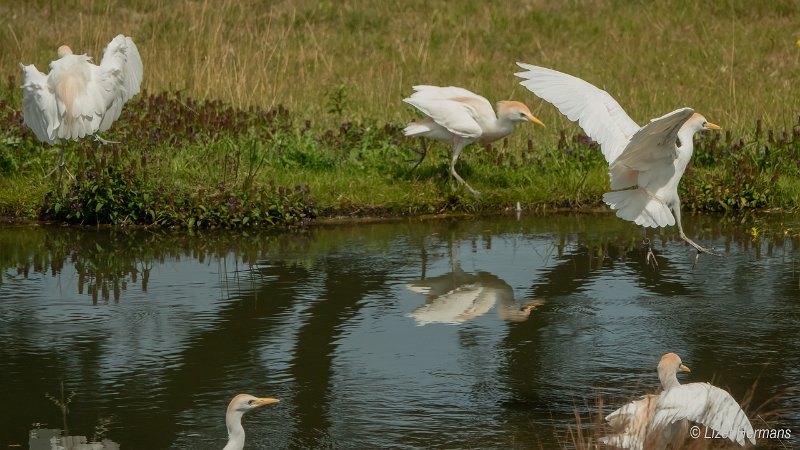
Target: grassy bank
{"type": "Point", "coordinates": [184, 163]}
{"type": "Point", "coordinates": [293, 109]}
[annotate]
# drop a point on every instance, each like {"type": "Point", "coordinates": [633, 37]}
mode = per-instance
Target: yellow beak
{"type": "Point", "coordinates": [711, 126]}
{"type": "Point", "coordinates": [683, 367]}
{"type": "Point", "coordinates": [265, 401]}
{"type": "Point", "coordinates": [533, 119]}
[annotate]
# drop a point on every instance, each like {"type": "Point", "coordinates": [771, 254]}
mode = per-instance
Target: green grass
{"type": "Point", "coordinates": [185, 163]}
{"type": "Point", "coordinates": [734, 61]}
{"type": "Point", "coordinates": [308, 94]}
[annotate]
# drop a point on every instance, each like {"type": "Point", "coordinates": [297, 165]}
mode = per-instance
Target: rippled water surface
{"type": "Point", "coordinates": [469, 333]}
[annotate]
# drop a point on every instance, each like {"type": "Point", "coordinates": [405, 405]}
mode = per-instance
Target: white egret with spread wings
{"type": "Point", "coordinates": [645, 163]}
{"type": "Point", "coordinates": [658, 420]}
{"type": "Point", "coordinates": [78, 98]}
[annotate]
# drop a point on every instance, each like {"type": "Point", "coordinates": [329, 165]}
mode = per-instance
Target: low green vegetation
{"type": "Point", "coordinates": [186, 164]}
{"type": "Point", "coordinates": [274, 114]}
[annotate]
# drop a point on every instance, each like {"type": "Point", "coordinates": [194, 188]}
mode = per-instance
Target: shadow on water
{"type": "Point", "coordinates": [378, 335]}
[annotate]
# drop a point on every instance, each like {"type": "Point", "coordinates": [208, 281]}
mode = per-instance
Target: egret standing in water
{"type": "Point", "coordinates": [461, 117]}
{"type": "Point", "coordinates": [650, 159]}
{"type": "Point", "coordinates": [78, 98]}
{"type": "Point", "coordinates": [233, 417]}
{"type": "Point", "coordinates": [655, 421]}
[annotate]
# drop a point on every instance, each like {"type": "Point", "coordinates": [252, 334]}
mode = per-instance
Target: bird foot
{"type": "Point", "coordinates": [650, 257]}
{"type": "Point", "coordinates": [461, 181]}
{"type": "Point", "coordinates": [423, 151]}
{"type": "Point", "coordinates": [63, 168]}
{"type": "Point", "coordinates": [104, 141]}
{"type": "Point", "coordinates": [700, 249]}
{"type": "Point", "coordinates": [473, 191]}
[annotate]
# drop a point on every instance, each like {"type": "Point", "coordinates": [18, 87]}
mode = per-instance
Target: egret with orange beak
{"type": "Point", "coordinates": [241, 404]}
{"type": "Point", "coordinates": [461, 117]}
{"type": "Point", "coordinates": [645, 163]}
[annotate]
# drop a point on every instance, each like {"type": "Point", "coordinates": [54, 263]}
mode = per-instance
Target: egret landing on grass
{"type": "Point", "coordinates": [461, 117]}
{"type": "Point", "coordinates": [655, 421]}
{"type": "Point", "coordinates": [78, 98]}
{"type": "Point", "coordinates": [233, 417]}
{"type": "Point", "coordinates": [648, 162]}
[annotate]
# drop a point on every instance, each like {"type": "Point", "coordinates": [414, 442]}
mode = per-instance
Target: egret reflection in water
{"type": "Point", "coordinates": [458, 296]}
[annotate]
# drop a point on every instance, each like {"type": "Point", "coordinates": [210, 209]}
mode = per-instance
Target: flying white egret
{"type": "Point", "coordinates": [651, 158]}
{"type": "Point", "coordinates": [78, 98]}
{"type": "Point", "coordinates": [233, 417]}
{"type": "Point", "coordinates": [462, 117]}
{"type": "Point", "coordinates": [656, 420]}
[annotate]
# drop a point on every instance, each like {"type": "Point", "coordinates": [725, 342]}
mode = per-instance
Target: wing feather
{"type": "Point", "coordinates": [706, 404]}
{"type": "Point", "coordinates": [444, 93]}
{"type": "Point", "coordinates": [118, 77]}
{"type": "Point", "coordinates": [480, 104]}
{"type": "Point", "coordinates": [654, 145]}
{"type": "Point", "coordinates": [132, 69]}
{"type": "Point", "coordinates": [630, 423]}
{"type": "Point", "coordinates": [597, 113]}
{"type": "Point", "coordinates": [39, 109]}
{"type": "Point", "coordinates": [458, 117]}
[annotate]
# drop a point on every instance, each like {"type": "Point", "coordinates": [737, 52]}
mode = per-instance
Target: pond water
{"type": "Point", "coordinates": [470, 333]}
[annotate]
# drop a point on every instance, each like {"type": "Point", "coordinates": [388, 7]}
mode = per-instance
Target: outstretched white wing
{"type": "Point", "coordinates": [705, 404]}
{"type": "Point", "coordinates": [652, 147]}
{"type": "Point", "coordinates": [39, 111]}
{"type": "Point", "coordinates": [597, 113]}
{"type": "Point", "coordinates": [78, 98]}
{"type": "Point", "coordinates": [119, 77]}
{"type": "Point", "coordinates": [630, 423]}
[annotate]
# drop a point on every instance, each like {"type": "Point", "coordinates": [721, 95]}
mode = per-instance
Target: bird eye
{"type": "Point", "coordinates": [249, 402]}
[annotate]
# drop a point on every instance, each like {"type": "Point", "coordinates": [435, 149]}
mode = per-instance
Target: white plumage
{"type": "Point", "coordinates": [462, 117]}
{"type": "Point", "coordinates": [655, 421]}
{"type": "Point", "coordinates": [648, 161]}
{"type": "Point", "coordinates": [239, 405]}
{"type": "Point", "coordinates": [78, 98]}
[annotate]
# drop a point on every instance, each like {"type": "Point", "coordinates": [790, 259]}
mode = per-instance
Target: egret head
{"type": "Point", "coordinates": [245, 402]}
{"type": "Point", "coordinates": [699, 123]}
{"type": "Point", "coordinates": [64, 51]}
{"type": "Point", "coordinates": [516, 112]}
{"type": "Point", "coordinates": [672, 363]}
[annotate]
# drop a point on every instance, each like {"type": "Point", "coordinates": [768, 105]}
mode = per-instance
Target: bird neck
{"type": "Point", "coordinates": [235, 431]}
{"type": "Point", "coordinates": [498, 129]}
{"type": "Point", "coordinates": [669, 378]}
{"type": "Point", "coordinates": [686, 138]}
